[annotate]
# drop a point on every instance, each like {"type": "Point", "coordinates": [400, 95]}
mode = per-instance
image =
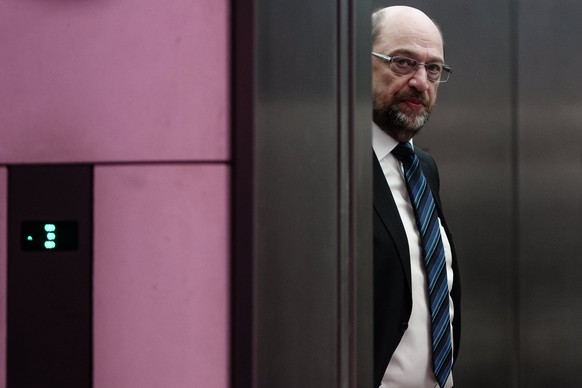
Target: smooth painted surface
{"type": "Point", "coordinates": [125, 80]}
{"type": "Point", "coordinates": [161, 281]}
{"type": "Point", "coordinates": [132, 81]}
{"type": "Point", "coordinates": [3, 266]}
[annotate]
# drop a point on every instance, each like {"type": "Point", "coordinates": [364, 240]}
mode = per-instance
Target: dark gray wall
{"type": "Point", "coordinates": [550, 183]}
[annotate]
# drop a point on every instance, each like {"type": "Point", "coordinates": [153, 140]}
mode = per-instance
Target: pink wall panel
{"type": "Point", "coordinates": [113, 80]}
{"type": "Point", "coordinates": [161, 264]}
{"type": "Point", "coordinates": [3, 268]}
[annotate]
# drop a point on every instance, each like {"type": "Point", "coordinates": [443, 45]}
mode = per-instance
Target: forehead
{"type": "Point", "coordinates": [411, 35]}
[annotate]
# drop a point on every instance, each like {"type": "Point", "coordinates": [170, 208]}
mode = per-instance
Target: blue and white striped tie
{"type": "Point", "coordinates": [434, 259]}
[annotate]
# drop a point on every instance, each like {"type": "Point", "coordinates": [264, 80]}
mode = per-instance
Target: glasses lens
{"type": "Point", "coordinates": [446, 72]}
{"type": "Point", "coordinates": [403, 66]}
{"type": "Point", "coordinates": [433, 71]}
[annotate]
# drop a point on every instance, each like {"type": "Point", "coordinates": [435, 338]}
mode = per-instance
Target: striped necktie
{"type": "Point", "coordinates": [434, 259]}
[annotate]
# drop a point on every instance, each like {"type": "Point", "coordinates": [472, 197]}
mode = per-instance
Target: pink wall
{"type": "Point", "coordinates": [143, 83]}
{"type": "Point", "coordinates": [116, 80]}
{"type": "Point", "coordinates": [161, 294]}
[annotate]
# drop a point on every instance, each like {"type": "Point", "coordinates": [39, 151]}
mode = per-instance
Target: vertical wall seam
{"type": "Point", "coordinates": [344, 285]}
{"type": "Point", "coordinates": [243, 358]}
{"type": "Point", "coordinates": [515, 175]}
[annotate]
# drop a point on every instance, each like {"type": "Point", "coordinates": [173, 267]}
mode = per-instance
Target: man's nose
{"type": "Point", "coordinates": [419, 79]}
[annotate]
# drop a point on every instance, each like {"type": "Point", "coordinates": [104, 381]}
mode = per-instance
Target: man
{"type": "Point", "coordinates": [416, 326]}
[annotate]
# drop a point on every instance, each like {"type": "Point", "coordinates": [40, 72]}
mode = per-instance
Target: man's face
{"type": "Point", "coordinates": [403, 103]}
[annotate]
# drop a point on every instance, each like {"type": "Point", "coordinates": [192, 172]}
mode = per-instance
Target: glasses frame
{"type": "Point", "coordinates": [446, 69]}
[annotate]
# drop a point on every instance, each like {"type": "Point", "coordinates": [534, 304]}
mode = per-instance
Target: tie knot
{"type": "Point", "coordinates": [404, 152]}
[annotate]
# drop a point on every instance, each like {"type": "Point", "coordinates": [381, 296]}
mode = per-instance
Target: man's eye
{"type": "Point", "coordinates": [434, 68]}
{"type": "Point", "coordinates": [404, 62]}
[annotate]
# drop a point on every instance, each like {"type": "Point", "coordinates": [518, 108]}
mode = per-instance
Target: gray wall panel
{"type": "Point", "coordinates": [550, 185]}
{"type": "Point", "coordinates": [302, 160]}
{"type": "Point", "coordinates": [297, 198]}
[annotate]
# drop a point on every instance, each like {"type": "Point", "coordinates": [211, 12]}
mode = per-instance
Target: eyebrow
{"type": "Point", "coordinates": [412, 54]}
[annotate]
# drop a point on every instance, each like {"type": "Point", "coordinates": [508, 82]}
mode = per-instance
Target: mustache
{"type": "Point", "coordinates": [411, 95]}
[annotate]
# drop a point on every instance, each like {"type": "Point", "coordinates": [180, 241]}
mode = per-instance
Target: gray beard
{"type": "Point", "coordinates": [397, 124]}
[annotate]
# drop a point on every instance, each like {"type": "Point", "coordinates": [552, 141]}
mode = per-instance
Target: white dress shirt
{"type": "Point", "coordinates": [411, 363]}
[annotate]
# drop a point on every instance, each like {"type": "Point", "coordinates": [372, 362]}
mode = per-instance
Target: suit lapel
{"type": "Point", "coordinates": [386, 209]}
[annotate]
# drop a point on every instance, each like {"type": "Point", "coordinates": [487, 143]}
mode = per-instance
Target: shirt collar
{"type": "Point", "coordinates": [382, 143]}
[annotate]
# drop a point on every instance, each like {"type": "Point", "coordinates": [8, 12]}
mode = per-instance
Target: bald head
{"type": "Point", "coordinates": [388, 21]}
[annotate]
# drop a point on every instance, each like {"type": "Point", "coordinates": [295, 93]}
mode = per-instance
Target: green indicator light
{"type": "Point", "coordinates": [49, 236]}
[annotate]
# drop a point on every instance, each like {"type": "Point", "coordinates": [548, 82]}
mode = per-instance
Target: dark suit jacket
{"type": "Point", "coordinates": [392, 278]}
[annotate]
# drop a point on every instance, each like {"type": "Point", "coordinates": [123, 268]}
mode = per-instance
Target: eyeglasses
{"type": "Point", "coordinates": [435, 72]}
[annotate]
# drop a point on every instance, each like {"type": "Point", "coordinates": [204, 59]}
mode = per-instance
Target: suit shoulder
{"type": "Point", "coordinates": [423, 154]}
